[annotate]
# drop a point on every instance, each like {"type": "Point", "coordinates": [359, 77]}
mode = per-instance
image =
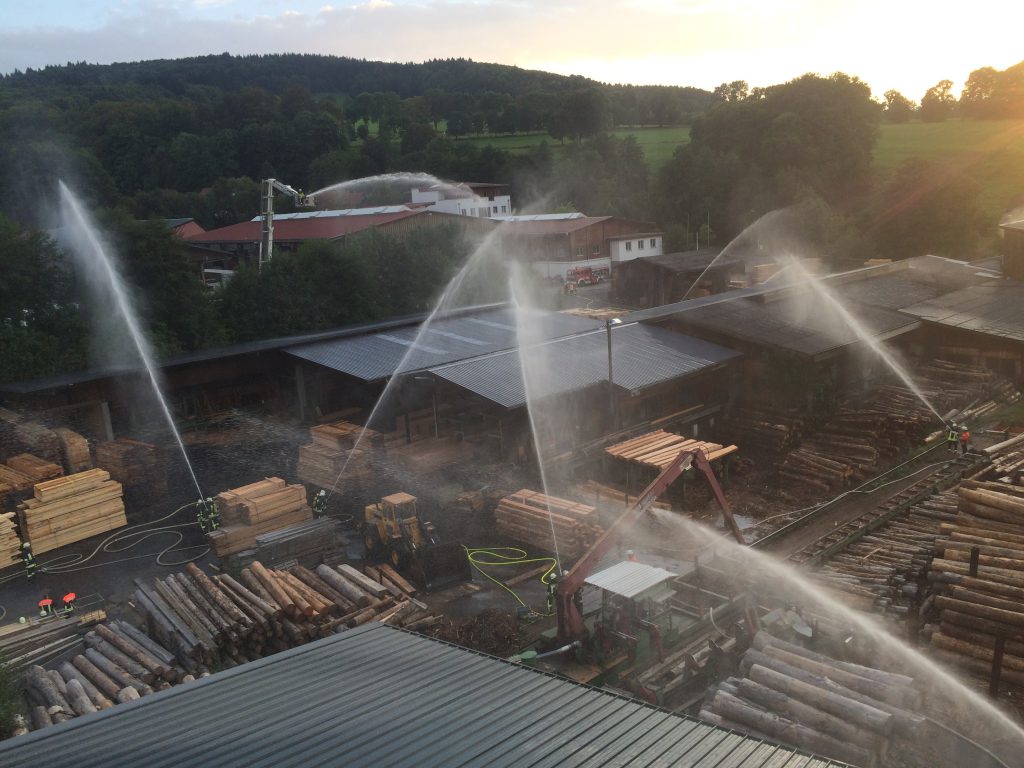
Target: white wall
{"type": "Point", "coordinates": [559, 268]}
{"type": "Point", "coordinates": [627, 249]}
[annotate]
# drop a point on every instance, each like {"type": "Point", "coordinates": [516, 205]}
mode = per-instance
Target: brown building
{"type": "Point", "coordinates": [652, 281]}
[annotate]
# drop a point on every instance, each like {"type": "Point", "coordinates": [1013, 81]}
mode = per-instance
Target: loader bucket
{"type": "Point", "coordinates": [439, 565]}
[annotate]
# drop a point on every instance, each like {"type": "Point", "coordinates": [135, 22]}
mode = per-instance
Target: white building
{"type": "Point", "coordinates": [633, 246]}
{"type": "Point", "coordinates": [484, 200]}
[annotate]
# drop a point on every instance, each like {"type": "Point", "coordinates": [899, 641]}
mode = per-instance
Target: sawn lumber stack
{"type": "Point", "coordinates": [333, 449]}
{"type": "Point", "coordinates": [529, 516]}
{"type": "Point", "coordinates": [10, 544]}
{"type": "Point", "coordinates": [71, 508]}
{"type": "Point", "coordinates": [134, 464]}
{"type": "Point", "coordinates": [657, 449]}
{"type": "Point", "coordinates": [256, 509]}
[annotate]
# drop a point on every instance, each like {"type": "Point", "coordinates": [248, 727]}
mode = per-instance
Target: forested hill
{"type": "Point", "coordinates": [324, 75]}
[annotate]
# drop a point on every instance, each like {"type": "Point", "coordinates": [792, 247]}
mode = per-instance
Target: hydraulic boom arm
{"type": "Point", "coordinates": [267, 190]}
{"type": "Point", "coordinates": [570, 619]}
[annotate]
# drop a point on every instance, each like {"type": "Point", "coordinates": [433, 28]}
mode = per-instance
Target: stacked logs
{"type": "Point", "coordinates": [529, 516]}
{"type": "Point", "coordinates": [195, 621]}
{"type": "Point", "coordinates": [814, 470]}
{"type": "Point", "coordinates": [39, 642]}
{"type": "Point", "coordinates": [881, 571]}
{"type": "Point", "coordinates": [978, 579]}
{"type": "Point", "coordinates": [333, 450]}
{"type": "Point", "coordinates": [770, 432]}
{"type": "Point", "coordinates": [256, 509]}
{"type": "Point", "coordinates": [837, 709]}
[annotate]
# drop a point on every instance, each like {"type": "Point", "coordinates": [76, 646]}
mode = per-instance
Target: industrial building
{"type": "Point", "coordinates": [377, 696]}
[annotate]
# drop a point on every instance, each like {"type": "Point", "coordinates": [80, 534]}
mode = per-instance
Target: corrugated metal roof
{"type": "Point", "coordinates": [379, 355]}
{"type": "Point", "coordinates": [802, 323]}
{"type": "Point", "coordinates": [995, 309]}
{"type": "Point", "coordinates": [629, 578]}
{"type": "Point", "coordinates": [377, 696]}
{"type": "Point", "coordinates": [642, 356]}
{"type": "Point", "coordinates": [921, 281]}
{"type": "Point", "coordinates": [336, 213]}
{"type": "Point", "coordinates": [691, 261]}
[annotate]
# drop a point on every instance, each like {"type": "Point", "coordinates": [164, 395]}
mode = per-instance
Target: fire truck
{"type": "Point", "coordinates": [587, 275]}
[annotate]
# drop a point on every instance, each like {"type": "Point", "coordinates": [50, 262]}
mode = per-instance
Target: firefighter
{"type": "Point", "coordinates": [201, 515]}
{"type": "Point", "coordinates": [952, 437]}
{"type": "Point", "coordinates": [965, 440]}
{"type": "Point", "coordinates": [320, 503]}
{"type": "Point", "coordinates": [552, 585]}
{"type": "Point", "coordinates": [214, 513]}
{"type": "Point", "coordinates": [30, 562]}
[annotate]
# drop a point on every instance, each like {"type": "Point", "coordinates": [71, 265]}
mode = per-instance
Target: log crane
{"type": "Point", "coordinates": [268, 188]}
{"type": "Point", "coordinates": [570, 618]}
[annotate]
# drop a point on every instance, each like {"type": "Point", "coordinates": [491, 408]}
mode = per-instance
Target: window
{"type": "Point", "coordinates": [504, 209]}
{"type": "Point", "coordinates": [654, 243]}
{"type": "Point", "coordinates": [629, 245]}
{"type": "Point", "coordinates": [579, 250]}
{"type": "Point", "coordinates": [640, 244]}
{"type": "Point", "coordinates": [595, 248]}
{"type": "Point", "coordinates": [495, 209]}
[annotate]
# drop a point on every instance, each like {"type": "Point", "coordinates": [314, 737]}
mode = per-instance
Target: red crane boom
{"type": "Point", "coordinates": [570, 619]}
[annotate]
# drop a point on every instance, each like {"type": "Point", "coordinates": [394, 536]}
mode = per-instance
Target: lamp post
{"type": "Point", "coordinates": [608, 324]}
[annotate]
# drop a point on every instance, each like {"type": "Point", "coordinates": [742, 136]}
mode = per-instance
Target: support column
{"type": "Point", "coordinates": [107, 424]}
{"type": "Point", "coordinates": [300, 386]}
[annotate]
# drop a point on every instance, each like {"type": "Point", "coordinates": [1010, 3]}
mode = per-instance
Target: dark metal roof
{"type": "Point", "coordinates": [219, 353]}
{"type": "Point", "coordinates": [919, 282]}
{"type": "Point", "coordinates": [691, 261]}
{"type": "Point", "coordinates": [642, 356]}
{"type": "Point", "coordinates": [378, 696]}
{"type": "Point", "coordinates": [801, 323]}
{"type": "Point", "coordinates": [995, 308]}
{"type": "Point", "coordinates": [377, 356]}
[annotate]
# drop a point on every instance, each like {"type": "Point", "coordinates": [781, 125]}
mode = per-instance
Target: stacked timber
{"type": "Point", "coordinates": [882, 570]}
{"type": "Point", "coordinates": [75, 450]}
{"type": "Point", "coordinates": [770, 432]}
{"type": "Point", "coordinates": [38, 440]}
{"type": "Point", "coordinates": [39, 642]}
{"type": "Point", "coordinates": [14, 482]}
{"type": "Point", "coordinates": [657, 449]}
{"type": "Point", "coordinates": [71, 508]}
{"type": "Point", "coordinates": [810, 701]}
{"type": "Point", "coordinates": [978, 579]}
{"type": "Point", "coordinates": [814, 470]}
{"type": "Point", "coordinates": [135, 464]}
{"type": "Point", "coordinates": [10, 543]}
{"type": "Point", "coordinates": [333, 450]}
{"type": "Point", "coordinates": [256, 509]}
{"type": "Point", "coordinates": [529, 517]}
{"type": "Point", "coordinates": [34, 467]}
{"type": "Point", "coordinates": [306, 543]}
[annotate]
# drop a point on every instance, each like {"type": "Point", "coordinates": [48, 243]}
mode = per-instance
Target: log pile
{"type": "Point", "coordinates": [769, 432]}
{"type": "Point", "coordinates": [881, 571]}
{"type": "Point", "coordinates": [75, 450]}
{"type": "Point", "coordinates": [136, 465]}
{"type": "Point", "coordinates": [837, 709]}
{"type": "Point", "coordinates": [10, 543]}
{"type": "Point", "coordinates": [529, 516]}
{"type": "Point", "coordinates": [333, 449]}
{"type": "Point", "coordinates": [256, 509]}
{"type": "Point", "coordinates": [974, 607]}
{"type": "Point", "coordinates": [34, 467]}
{"type": "Point", "coordinates": [71, 508]}
{"type": "Point", "coordinates": [657, 449]}
{"type": "Point", "coordinates": [39, 642]}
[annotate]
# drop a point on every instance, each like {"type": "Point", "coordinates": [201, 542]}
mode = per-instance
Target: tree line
{"type": "Point", "coordinates": [988, 94]}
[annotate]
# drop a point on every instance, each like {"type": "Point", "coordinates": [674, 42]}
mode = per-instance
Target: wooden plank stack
{"type": "Point", "coordinates": [322, 460]}
{"type": "Point", "coordinates": [75, 448]}
{"type": "Point", "coordinates": [657, 449]}
{"type": "Point", "coordinates": [34, 467]}
{"type": "Point", "coordinates": [528, 516]}
{"type": "Point", "coordinates": [807, 700]}
{"type": "Point", "coordinates": [138, 466]}
{"type": "Point", "coordinates": [306, 543]}
{"type": "Point", "coordinates": [71, 508]}
{"type": "Point", "coordinates": [13, 481]}
{"type": "Point", "coordinates": [37, 642]}
{"type": "Point", "coordinates": [255, 509]}
{"type": "Point", "coordinates": [972, 611]}
{"type": "Point", "coordinates": [10, 543]}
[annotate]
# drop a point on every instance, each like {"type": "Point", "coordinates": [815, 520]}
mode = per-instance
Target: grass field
{"type": "Point", "coordinates": [989, 153]}
{"type": "Point", "coordinates": [658, 144]}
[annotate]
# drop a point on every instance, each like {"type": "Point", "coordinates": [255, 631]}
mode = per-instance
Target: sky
{"type": "Point", "coordinates": [908, 45]}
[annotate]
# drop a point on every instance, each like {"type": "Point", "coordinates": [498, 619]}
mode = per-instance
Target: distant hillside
{"type": "Point", "coordinates": [320, 74]}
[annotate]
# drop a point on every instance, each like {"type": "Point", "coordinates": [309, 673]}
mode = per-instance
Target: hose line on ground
{"type": "Point", "coordinates": [498, 557]}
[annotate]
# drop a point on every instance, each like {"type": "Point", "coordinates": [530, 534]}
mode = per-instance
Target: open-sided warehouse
{"type": "Point", "coordinates": [382, 696]}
